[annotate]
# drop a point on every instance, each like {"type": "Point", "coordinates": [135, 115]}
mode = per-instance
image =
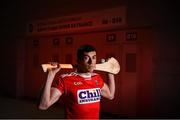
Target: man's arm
{"type": "Point", "coordinates": [108, 90]}
{"type": "Point", "coordinates": [50, 94]}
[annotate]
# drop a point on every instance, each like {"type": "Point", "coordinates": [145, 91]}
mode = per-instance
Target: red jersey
{"type": "Point", "coordinates": [82, 94]}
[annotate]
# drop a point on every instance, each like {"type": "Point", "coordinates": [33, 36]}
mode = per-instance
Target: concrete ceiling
{"type": "Point", "coordinates": [44, 9]}
{"type": "Point", "coordinates": [15, 14]}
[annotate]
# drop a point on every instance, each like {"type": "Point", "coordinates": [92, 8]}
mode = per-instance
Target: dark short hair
{"type": "Point", "coordinates": [82, 49]}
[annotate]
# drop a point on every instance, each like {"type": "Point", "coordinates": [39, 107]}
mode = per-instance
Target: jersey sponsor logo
{"type": "Point", "coordinates": [86, 96]}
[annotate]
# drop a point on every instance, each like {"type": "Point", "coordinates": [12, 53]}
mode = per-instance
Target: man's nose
{"type": "Point", "coordinates": [90, 61]}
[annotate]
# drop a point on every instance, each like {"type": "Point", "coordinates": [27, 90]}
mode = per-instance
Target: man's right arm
{"type": "Point", "coordinates": [50, 94]}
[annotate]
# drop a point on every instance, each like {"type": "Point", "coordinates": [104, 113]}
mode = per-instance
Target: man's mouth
{"type": "Point", "coordinates": [90, 66]}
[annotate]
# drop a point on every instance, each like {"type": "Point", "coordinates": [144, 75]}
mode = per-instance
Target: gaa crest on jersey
{"type": "Point", "coordinates": [97, 83]}
{"type": "Point", "coordinates": [86, 96]}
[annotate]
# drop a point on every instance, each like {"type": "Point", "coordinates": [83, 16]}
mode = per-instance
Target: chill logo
{"type": "Point", "coordinates": [88, 95]}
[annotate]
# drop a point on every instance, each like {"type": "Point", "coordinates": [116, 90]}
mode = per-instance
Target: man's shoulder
{"type": "Point", "coordinates": [95, 74]}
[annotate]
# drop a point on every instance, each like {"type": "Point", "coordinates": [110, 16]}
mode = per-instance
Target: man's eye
{"type": "Point", "coordinates": [86, 58]}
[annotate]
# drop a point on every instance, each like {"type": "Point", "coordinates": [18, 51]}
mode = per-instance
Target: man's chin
{"type": "Point", "coordinates": [90, 70]}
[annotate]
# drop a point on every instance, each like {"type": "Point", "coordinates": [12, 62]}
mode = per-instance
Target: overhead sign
{"type": "Point", "coordinates": [91, 21]}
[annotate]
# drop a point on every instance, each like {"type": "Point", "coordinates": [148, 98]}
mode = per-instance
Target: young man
{"type": "Point", "coordinates": [82, 89]}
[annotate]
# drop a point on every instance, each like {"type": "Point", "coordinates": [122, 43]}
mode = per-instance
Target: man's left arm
{"type": "Point", "coordinates": [108, 89]}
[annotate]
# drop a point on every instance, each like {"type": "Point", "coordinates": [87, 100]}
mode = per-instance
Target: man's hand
{"type": "Point", "coordinates": [52, 71]}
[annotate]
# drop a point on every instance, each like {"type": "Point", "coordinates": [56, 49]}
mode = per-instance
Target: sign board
{"type": "Point", "coordinates": [90, 21]}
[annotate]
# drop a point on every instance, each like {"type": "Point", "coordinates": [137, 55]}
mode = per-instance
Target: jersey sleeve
{"type": "Point", "coordinates": [101, 82]}
{"type": "Point", "coordinates": [59, 84]}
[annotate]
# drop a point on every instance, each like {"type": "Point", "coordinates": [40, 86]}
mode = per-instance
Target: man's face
{"type": "Point", "coordinates": [88, 62]}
